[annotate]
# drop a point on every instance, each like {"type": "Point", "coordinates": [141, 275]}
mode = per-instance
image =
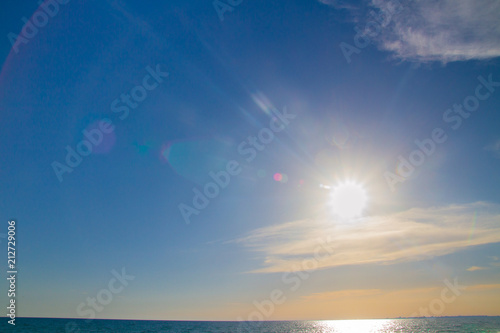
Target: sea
{"type": "Point", "coordinates": [439, 324]}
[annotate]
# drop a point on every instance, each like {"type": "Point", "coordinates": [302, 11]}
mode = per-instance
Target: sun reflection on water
{"type": "Point", "coordinates": [358, 326]}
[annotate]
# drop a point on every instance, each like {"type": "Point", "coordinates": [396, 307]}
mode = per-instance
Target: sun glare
{"type": "Point", "coordinates": [348, 200]}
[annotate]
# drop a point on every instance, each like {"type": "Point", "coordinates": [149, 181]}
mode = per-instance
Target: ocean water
{"type": "Point", "coordinates": [446, 324]}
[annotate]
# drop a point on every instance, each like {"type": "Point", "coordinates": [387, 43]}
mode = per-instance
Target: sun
{"type": "Point", "coordinates": [348, 199]}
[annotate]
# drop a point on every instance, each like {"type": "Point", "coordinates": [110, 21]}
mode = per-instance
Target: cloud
{"type": "Point", "coordinates": [432, 30]}
{"type": "Point", "coordinates": [476, 268]}
{"type": "Point", "coordinates": [391, 303]}
{"type": "Point", "coordinates": [407, 293]}
{"type": "Point", "coordinates": [342, 294]}
{"type": "Point", "coordinates": [363, 293]}
{"type": "Point", "coordinates": [481, 287]}
{"type": "Point", "coordinates": [495, 148]}
{"type": "Point", "coordinates": [340, 4]}
{"type": "Point", "coordinates": [412, 235]}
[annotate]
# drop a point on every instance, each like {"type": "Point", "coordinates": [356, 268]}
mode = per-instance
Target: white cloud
{"type": "Point", "coordinates": [415, 234]}
{"type": "Point", "coordinates": [440, 30]}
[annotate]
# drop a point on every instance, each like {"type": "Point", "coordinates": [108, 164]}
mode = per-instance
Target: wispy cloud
{"type": "Point", "coordinates": [476, 268]}
{"type": "Point", "coordinates": [481, 287]}
{"type": "Point", "coordinates": [444, 30]}
{"type": "Point", "coordinates": [339, 3]}
{"type": "Point", "coordinates": [342, 294]}
{"type": "Point", "coordinates": [363, 293]}
{"type": "Point", "coordinates": [415, 234]}
{"type": "Point", "coordinates": [394, 302]}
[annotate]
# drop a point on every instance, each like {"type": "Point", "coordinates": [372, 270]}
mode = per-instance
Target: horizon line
{"type": "Point", "coordinates": [237, 321]}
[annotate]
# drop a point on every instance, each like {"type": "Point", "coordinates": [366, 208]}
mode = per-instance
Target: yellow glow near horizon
{"type": "Point", "coordinates": [348, 199]}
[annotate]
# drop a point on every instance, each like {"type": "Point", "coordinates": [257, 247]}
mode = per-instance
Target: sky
{"type": "Point", "coordinates": [177, 160]}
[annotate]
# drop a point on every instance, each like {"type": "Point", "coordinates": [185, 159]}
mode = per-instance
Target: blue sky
{"type": "Point", "coordinates": [227, 80]}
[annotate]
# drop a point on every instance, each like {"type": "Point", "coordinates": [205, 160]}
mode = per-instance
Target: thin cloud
{"type": "Point", "coordinates": [444, 30]}
{"type": "Point", "coordinates": [412, 235]}
{"type": "Point", "coordinates": [362, 293]}
{"type": "Point", "coordinates": [339, 4]}
{"type": "Point", "coordinates": [342, 294]}
{"type": "Point", "coordinates": [481, 287]}
{"type": "Point", "coordinates": [476, 268]}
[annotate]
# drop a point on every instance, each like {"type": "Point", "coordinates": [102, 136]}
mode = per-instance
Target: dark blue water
{"type": "Point", "coordinates": [449, 324]}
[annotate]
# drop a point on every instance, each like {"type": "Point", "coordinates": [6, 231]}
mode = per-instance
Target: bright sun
{"type": "Point", "coordinates": [348, 200]}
